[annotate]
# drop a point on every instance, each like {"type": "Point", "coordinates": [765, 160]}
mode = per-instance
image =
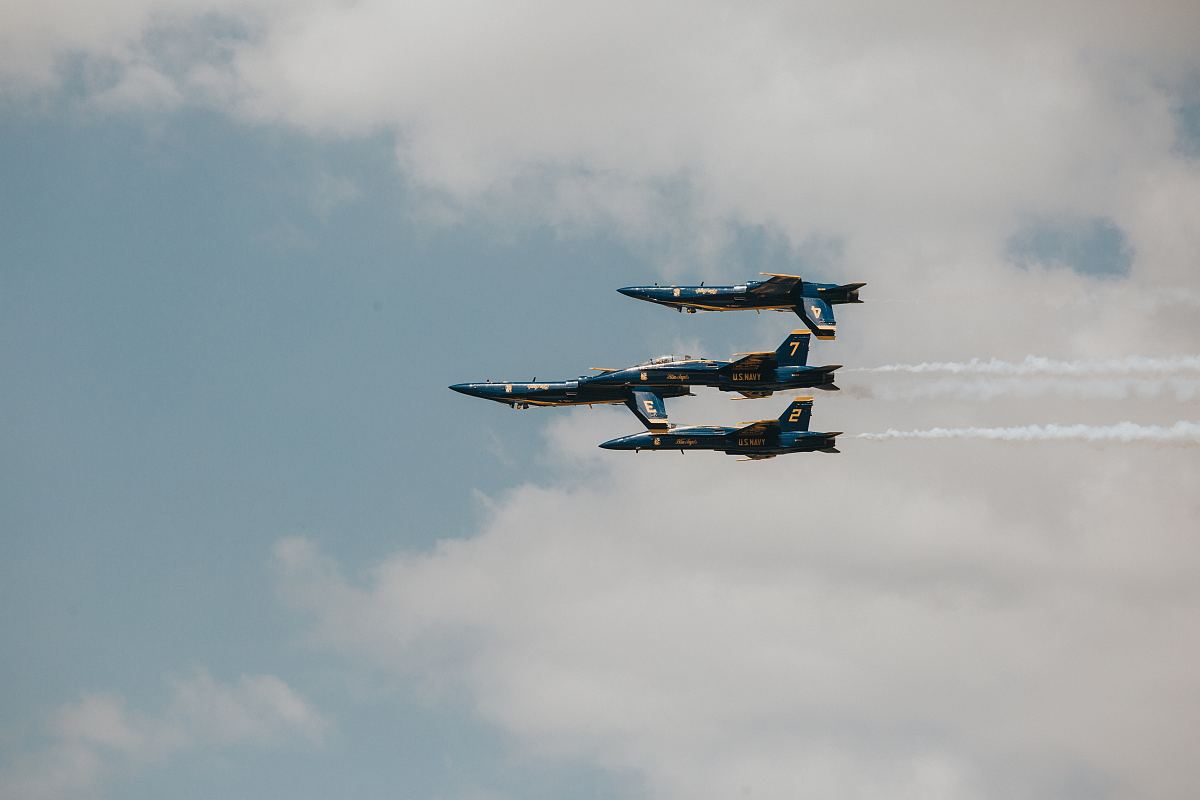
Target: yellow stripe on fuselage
{"type": "Point", "coordinates": [560, 402]}
{"type": "Point", "coordinates": [688, 304]}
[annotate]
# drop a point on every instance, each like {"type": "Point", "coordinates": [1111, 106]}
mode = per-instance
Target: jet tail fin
{"type": "Point", "coordinates": [794, 350]}
{"type": "Point", "coordinates": [650, 409]}
{"type": "Point", "coordinates": [797, 416]}
{"type": "Point", "coordinates": [818, 316]}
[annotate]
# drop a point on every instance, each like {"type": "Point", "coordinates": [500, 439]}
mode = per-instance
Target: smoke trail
{"type": "Point", "coordinates": [1187, 433]}
{"type": "Point", "coordinates": [988, 388]}
{"type": "Point", "coordinates": [1039, 365]}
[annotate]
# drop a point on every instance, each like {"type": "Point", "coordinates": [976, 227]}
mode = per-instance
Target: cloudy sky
{"type": "Point", "coordinates": [250, 546]}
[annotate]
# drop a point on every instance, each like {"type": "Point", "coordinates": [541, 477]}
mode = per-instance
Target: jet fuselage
{"type": "Point", "coordinates": [734, 441]}
{"type": "Point", "coordinates": [760, 295]}
{"type": "Point", "coordinates": [812, 302]}
{"type": "Point", "coordinates": [670, 378]}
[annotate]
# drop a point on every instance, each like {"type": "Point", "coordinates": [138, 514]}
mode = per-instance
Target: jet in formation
{"type": "Point", "coordinates": [755, 441]}
{"type": "Point", "coordinates": [813, 302]}
{"type": "Point", "coordinates": [644, 387]}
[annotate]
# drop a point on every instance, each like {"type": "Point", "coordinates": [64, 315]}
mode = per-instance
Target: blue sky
{"type": "Point", "coordinates": [252, 546]}
{"type": "Point", "coordinates": [206, 354]}
{"type": "Point", "coordinates": [201, 361]}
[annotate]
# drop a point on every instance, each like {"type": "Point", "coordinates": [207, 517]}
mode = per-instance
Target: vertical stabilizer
{"type": "Point", "coordinates": [649, 408]}
{"type": "Point", "coordinates": [818, 316]}
{"type": "Point", "coordinates": [794, 350]}
{"type": "Point", "coordinates": [797, 416]}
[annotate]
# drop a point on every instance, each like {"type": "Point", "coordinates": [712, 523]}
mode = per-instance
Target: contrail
{"type": "Point", "coordinates": [988, 388]}
{"type": "Point", "coordinates": [1187, 433]}
{"type": "Point", "coordinates": [1039, 365]}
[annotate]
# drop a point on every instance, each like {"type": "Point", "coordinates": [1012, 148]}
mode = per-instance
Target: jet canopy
{"type": "Point", "coordinates": [666, 360]}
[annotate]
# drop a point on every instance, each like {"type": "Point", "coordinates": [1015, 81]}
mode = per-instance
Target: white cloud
{"type": "Point", "coordinates": [879, 623]}
{"type": "Point", "coordinates": [881, 124]}
{"type": "Point", "coordinates": [99, 737]}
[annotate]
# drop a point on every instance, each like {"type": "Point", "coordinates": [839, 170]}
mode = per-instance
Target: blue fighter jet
{"type": "Point", "coordinates": [757, 440]}
{"type": "Point", "coordinates": [643, 387]}
{"type": "Point", "coordinates": [813, 302]}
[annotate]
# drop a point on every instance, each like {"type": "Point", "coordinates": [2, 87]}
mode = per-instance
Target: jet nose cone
{"type": "Point", "coordinates": [631, 291]}
{"type": "Point", "coordinates": [470, 389]}
{"type": "Point", "coordinates": [621, 443]}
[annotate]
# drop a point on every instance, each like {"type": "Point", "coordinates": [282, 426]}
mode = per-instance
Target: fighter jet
{"type": "Point", "coordinates": [755, 441]}
{"type": "Point", "coordinates": [644, 386]}
{"type": "Point", "coordinates": [813, 302]}
{"type": "Point", "coordinates": [648, 406]}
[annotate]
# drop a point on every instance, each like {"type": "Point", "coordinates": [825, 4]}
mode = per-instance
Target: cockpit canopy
{"type": "Point", "coordinates": [665, 360]}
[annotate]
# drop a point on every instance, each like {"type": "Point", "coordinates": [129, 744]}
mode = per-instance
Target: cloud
{"type": "Point", "coordinates": [856, 625]}
{"type": "Point", "coordinates": [99, 737]}
{"type": "Point", "coordinates": [857, 120]}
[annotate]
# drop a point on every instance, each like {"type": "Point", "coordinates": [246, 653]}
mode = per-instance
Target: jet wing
{"type": "Point", "coordinates": [761, 427]}
{"type": "Point", "coordinates": [776, 284]}
{"type": "Point", "coordinates": [749, 362]}
{"type": "Point", "coordinates": [649, 408]}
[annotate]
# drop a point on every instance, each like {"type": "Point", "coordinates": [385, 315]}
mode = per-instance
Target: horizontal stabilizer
{"type": "Point", "coordinates": [851, 292]}
{"type": "Point", "coordinates": [846, 293]}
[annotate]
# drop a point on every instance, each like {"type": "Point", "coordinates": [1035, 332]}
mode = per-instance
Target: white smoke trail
{"type": "Point", "coordinates": [1147, 299]}
{"type": "Point", "coordinates": [1187, 433]}
{"type": "Point", "coordinates": [1039, 365]}
{"type": "Point", "coordinates": [988, 388]}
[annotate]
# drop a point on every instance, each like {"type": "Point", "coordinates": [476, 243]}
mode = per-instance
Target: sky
{"type": "Point", "coordinates": [250, 545]}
